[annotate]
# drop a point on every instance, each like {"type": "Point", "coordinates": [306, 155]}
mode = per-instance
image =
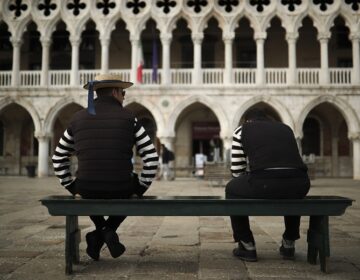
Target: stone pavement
{"type": "Point", "coordinates": [32, 242]}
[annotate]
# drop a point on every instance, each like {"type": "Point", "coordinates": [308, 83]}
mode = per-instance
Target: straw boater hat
{"type": "Point", "coordinates": [103, 81]}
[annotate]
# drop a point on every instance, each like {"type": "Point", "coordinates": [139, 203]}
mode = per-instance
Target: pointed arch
{"type": "Point", "coordinates": [27, 105]}
{"type": "Point", "coordinates": [218, 111]}
{"type": "Point", "coordinates": [277, 105]}
{"type": "Point", "coordinates": [54, 111]}
{"type": "Point", "coordinates": [344, 108]}
{"type": "Point", "coordinates": [152, 108]}
{"type": "Point", "coordinates": [204, 21]}
{"type": "Point", "coordinates": [173, 21]}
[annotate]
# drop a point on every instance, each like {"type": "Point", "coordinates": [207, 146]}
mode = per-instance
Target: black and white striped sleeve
{"type": "Point", "coordinates": [148, 154]}
{"type": "Point", "coordinates": [238, 157]}
{"type": "Point", "coordinates": [61, 158]}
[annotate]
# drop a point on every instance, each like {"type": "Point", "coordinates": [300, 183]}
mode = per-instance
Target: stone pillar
{"type": "Point", "coordinates": [355, 138]}
{"type": "Point", "coordinates": [15, 75]}
{"type": "Point", "coordinates": [324, 74]}
{"type": "Point", "coordinates": [134, 58]}
{"type": "Point", "coordinates": [227, 143]}
{"type": "Point", "coordinates": [105, 42]}
{"type": "Point", "coordinates": [74, 78]}
{"type": "Point", "coordinates": [166, 75]}
{"type": "Point", "coordinates": [355, 38]}
{"type": "Point", "coordinates": [43, 156]}
{"type": "Point", "coordinates": [228, 74]}
{"type": "Point", "coordinates": [260, 65]}
{"type": "Point", "coordinates": [292, 76]}
{"type": "Point", "coordinates": [197, 73]}
{"type": "Point", "coordinates": [334, 157]}
{"type": "Point", "coordinates": [45, 43]}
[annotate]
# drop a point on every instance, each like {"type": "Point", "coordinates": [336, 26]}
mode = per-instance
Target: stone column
{"type": "Point", "coordinates": [105, 43]}
{"type": "Point", "coordinates": [355, 138]}
{"type": "Point", "coordinates": [166, 75]}
{"type": "Point", "coordinates": [45, 43]}
{"type": "Point", "coordinates": [291, 39]}
{"type": "Point", "coordinates": [355, 38]}
{"type": "Point", "coordinates": [227, 143]}
{"type": "Point", "coordinates": [134, 58]}
{"type": "Point", "coordinates": [197, 73]}
{"type": "Point", "coordinates": [335, 157]}
{"type": "Point", "coordinates": [43, 156]}
{"type": "Point", "coordinates": [74, 78]}
{"type": "Point", "coordinates": [15, 75]}
{"type": "Point", "coordinates": [260, 65]}
{"type": "Point", "coordinates": [228, 74]}
{"type": "Point", "coordinates": [324, 74]}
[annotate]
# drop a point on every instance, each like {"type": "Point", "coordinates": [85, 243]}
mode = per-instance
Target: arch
{"type": "Point", "coordinates": [111, 26]}
{"type": "Point", "coordinates": [252, 23]}
{"type": "Point", "coordinates": [345, 109]}
{"type": "Point", "coordinates": [152, 108]}
{"type": "Point", "coordinates": [278, 106]}
{"type": "Point", "coordinates": [300, 18]}
{"type": "Point", "coordinates": [204, 21]}
{"type": "Point", "coordinates": [18, 31]}
{"type": "Point", "coordinates": [331, 19]}
{"type": "Point", "coordinates": [53, 112]}
{"type": "Point", "coordinates": [142, 24]}
{"type": "Point", "coordinates": [27, 106]}
{"type": "Point", "coordinates": [173, 21]}
{"type": "Point", "coordinates": [218, 111]}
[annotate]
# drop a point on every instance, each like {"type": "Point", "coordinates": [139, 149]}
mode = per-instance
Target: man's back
{"type": "Point", "coordinates": [269, 144]}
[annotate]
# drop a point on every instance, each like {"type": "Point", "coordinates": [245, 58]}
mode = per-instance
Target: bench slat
{"type": "Point", "coordinates": [197, 206]}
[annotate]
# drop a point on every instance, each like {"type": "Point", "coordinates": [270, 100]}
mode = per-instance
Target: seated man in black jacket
{"type": "Point", "coordinates": [102, 138]}
{"type": "Point", "coordinates": [265, 163]}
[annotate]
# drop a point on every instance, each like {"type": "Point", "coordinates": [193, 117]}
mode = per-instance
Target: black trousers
{"type": "Point", "coordinates": [106, 190]}
{"type": "Point", "coordinates": [275, 183]}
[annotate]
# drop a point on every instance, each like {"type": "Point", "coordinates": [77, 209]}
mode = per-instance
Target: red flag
{"type": "Point", "coordinates": [139, 74]}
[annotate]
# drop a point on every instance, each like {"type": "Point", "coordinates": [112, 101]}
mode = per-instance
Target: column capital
{"type": "Point", "coordinates": [354, 136]}
{"type": "Point", "coordinates": [16, 42]}
{"type": "Point", "coordinates": [45, 41]}
{"type": "Point", "coordinates": [41, 135]}
{"type": "Point", "coordinates": [166, 38]}
{"type": "Point", "coordinates": [260, 36]}
{"type": "Point", "coordinates": [228, 37]}
{"type": "Point", "coordinates": [74, 40]}
{"type": "Point", "coordinates": [197, 38]}
{"type": "Point", "coordinates": [324, 37]}
{"type": "Point", "coordinates": [354, 36]}
{"type": "Point", "coordinates": [292, 36]}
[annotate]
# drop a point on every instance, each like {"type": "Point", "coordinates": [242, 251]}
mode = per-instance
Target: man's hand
{"type": "Point", "coordinates": [139, 189]}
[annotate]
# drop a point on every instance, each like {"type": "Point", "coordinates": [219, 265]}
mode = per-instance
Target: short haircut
{"type": "Point", "coordinates": [256, 114]}
{"type": "Point", "coordinates": [104, 91]}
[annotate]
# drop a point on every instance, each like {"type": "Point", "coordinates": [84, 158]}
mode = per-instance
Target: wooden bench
{"type": "Point", "coordinates": [319, 208]}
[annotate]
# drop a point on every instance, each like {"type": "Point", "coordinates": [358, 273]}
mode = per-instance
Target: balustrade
{"type": "Point", "coordinates": [214, 76]}
{"type": "Point", "coordinates": [244, 76]}
{"type": "Point", "coordinates": [340, 76]}
{"type": "Point", "coordinates": [5, 78]}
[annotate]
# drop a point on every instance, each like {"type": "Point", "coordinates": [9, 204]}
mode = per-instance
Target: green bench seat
{"type": "Point", "coordinates": [318, 208]}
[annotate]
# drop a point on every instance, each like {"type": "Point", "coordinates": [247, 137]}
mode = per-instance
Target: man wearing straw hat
{"type": "Point", "coordinates": [102, 138]}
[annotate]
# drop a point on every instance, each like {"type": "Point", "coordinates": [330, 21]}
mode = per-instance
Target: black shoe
{"type": "Point", "coordinates": [94, 242]}
{"type": "Point", "coordinates": [244, 254]}
{"type": "Point", "coordinates": [287, 249]}
{"type": "Point", "coordinates": [112, 241]}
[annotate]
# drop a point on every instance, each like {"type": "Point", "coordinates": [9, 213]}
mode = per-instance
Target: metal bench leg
{"type": "Point", "coordinates": [318, 241]}
{"type": "Point", "coordinates": [72, 240]}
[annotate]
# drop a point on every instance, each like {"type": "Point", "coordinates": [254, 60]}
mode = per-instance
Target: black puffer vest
{"type": "Point", "coordinates": [104, 142]}
{"type": "Point", "coordinates": [270, 144]}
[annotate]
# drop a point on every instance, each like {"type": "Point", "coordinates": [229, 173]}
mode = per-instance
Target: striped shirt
{"type": "Point", "coordinates": [144, 146]}
{"type": "Point", "coordinates": [238, 158]}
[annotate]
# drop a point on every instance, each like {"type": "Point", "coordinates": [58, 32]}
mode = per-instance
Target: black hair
{"type": "Point", "coordinates": [104, 91]}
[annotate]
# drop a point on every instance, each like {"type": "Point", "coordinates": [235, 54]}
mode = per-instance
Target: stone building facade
{"type": "Point", "coordinates": [205, 64]}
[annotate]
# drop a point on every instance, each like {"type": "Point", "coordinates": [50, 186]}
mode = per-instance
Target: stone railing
{"type": "Point", "coordinates": [210, 76]}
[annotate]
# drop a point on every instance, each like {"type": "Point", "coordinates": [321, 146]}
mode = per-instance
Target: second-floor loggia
{"type": "Point", "coordinates": [182, 58]}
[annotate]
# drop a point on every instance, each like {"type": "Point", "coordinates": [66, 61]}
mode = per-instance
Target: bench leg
{"type": "Point", "coordinates": [72, 240]}
{"type": "Point", "coordinates": [318, 241]}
